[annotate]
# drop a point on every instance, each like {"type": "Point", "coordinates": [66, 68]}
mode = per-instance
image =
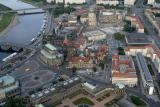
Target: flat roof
{"type": "Point", "coordinates": [143, 66]}
{"type": "Point", "coordinates": [51, 47]}
{"type": "Point", "coordinates": [51, 56]}
{"type": "Point", "coordinates": [93, 33]}
{"type": "Point", "coordinates": [137, 39]}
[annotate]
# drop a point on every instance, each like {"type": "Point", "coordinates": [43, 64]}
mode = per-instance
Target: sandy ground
{"type": "Point", "coordinates": [14, 21]}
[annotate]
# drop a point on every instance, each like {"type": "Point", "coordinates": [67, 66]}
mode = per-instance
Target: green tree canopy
{"type": "Point", "coordinates": [94, 69]}
{"type": "Point", "coordinates": [74, 69]}
{"type": "Point", "coordinates": [119, 36]}
{"type": "Point", "coordinates": [16, 102]}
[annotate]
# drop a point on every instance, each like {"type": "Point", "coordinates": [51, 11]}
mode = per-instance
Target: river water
{"type": "Point", "coordinates": [27, 27]}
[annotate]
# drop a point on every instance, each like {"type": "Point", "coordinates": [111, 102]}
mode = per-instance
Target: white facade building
{"type": "Point", "coordinates": [151, 2]}
{"type": "Point", "coordinates": [129, 2]}
{"type": "Point", "coordinates": [110, 2]}
{"type": "Point", "coordinates": [95, 35]}
{"type": "Point", "coordinates": [150, 51]}
{"type": "Point", "coordinates": [68, 1]}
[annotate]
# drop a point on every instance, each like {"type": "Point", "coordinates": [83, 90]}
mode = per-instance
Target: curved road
{"type": "Point", "coordinates": [150, 101]}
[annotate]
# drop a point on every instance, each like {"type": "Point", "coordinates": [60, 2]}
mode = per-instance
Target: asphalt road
{"type": "Point", "coordinates": [138, 10]}
{"type": "Point", "coordinates": [150, 101]}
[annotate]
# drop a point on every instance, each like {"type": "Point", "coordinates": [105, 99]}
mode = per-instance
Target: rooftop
{"type": "Point", "coordinates": [8, 83]}
{"type": "Point", "coordinates": [93, 33]}
{"type": "Point", "coordinates": [144, 68]}
{"type": "Point", "coordinates": [155, 49]}
{"type": "Point", "coordinates": [7, 80]}
{"type": "Point", "coordinates": [137, 39]}
{"type": "Point", "coordinates": [51, 47]}
{"type": "Point", "coordinates": [123, 67]}
{"type": "Point", "coordinates": [138, 21]}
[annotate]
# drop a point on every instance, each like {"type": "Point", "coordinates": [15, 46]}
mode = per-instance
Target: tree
{"type": "Point", "coordinates": [94, 69]}
{"type": "Point", "coordinates": [101, 65]}
{"type": "Point", "coordinates": [16, 102]}
{"type": "Point", "coordinates": [119, 36]}
{"type": "Point", "coordinates": [74, 69]}
{"type": "Point", "coordinates": [121, 51]}
{"type": "Point", "coordinates": [129, 28]}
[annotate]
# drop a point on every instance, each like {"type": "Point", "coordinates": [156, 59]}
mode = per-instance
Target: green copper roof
{"type": "Point", "coordinates": [51, 47]}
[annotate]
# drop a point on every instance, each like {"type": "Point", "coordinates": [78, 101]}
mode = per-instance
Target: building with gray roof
{"type": "Point", "coordinates": [145, 73]}
{"type": "Point", "coordinates": [49, 55]}
{"type": "Point", "coordinates": [9, 87]}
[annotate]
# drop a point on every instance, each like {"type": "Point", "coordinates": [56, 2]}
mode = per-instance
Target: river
{"type": "Point", "coordinates": [27, 27]}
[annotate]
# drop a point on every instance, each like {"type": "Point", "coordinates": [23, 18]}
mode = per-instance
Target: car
{"type": "Point", "coordinates": [27, 69]}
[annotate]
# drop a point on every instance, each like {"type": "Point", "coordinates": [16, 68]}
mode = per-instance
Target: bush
{"type": "Point", "coordinates": [119, 36]}
{"type": "Point", "coordinates": [137, 101]}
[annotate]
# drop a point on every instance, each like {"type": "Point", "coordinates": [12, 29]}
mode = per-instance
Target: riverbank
{"type": "Point", "coordinates": [36, 3]}
{"type": "Point", "coordinates": [9, 24]}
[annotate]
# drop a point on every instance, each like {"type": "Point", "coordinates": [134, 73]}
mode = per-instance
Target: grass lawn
{"type": "Point", "coordinates": [6, 20]}
{"type": "Point", "coordinates": [83, 100]}
{"type": "Point", "coordinates": [137, 101]}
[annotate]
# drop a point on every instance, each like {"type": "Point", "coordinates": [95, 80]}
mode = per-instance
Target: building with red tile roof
{"type": "Point", "coordinates": [123, 70]}
{"type": "Point", "coordinates": [88, 58]}
{"type": "Point", "coordinates": [80, 12]}
{"type": "Point", "coordinates": [81, 62]}
{"type": "Point", "coordinates": [150, 51]}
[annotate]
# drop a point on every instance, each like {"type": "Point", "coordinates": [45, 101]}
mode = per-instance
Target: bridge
{"type": "Point", "coordinates": [34, 10]}
{"type": "Point", "coordinates": [11, 47]}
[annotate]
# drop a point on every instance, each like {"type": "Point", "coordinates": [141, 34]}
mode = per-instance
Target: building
{"type": "Point", "coordinates": [136, 22]}
{"type": "Point", "coordinates": [99, 92]}
{"type": "Point", "coordinates": [87, 58]}
{"type": "Point", "coordinates": [129, 2]}
{"type": "Point", "coordinates": [151, 2]}
{"type": "Point", "coordinates": [97, 52]}
{"type": "Point", "coordinates": [53, 94]}
{"type": "Point", "coordinates": [150, 51]}
{"type": "Point", "coordinates": [110, 16]}
{"type": "Point", "coordinates": [137, 39]}
{"type": "Point", "coordinates": [145, 73]}
{"type": "Point", "coordinates": [81, 62]}
{"type": "Point", "coordinates": [68, 1]}
{"type": "Point", "coordinates": [109, 2]}
{"type": "Point", "coordinates": [49, 55]}
{"type": "Point", "coordinates": [92, 18]}
{"type": "Point", "coordinates": [39, 105]}
{"type": "Point", "coordinates": [95, 35]}
{"type": "Point", "coordinates": [151, 15]}
{"type": "Point", "coordinates": [9, 87]}
{"type": "Point", "coordinates": [123, 71]}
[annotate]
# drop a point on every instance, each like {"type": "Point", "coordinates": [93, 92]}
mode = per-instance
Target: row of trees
{"type": "Point", "coordinates": [108, 6]}
{"type": "Point", "coordinates": [61, 9]}
{"type": "Point", "coordinates": [16, 102]}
